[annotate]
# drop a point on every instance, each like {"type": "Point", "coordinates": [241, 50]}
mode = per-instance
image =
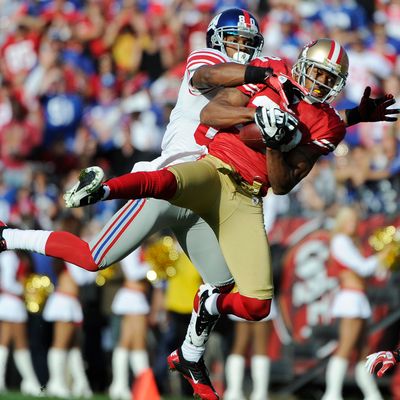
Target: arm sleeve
{"type": "Point", "coordinates": [344, 251]}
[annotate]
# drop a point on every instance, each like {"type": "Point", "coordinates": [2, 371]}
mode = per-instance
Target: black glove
{"type": "Point", "coordinates": [277, 127]}
{"type": "Point", "coordinates": [373, 110]}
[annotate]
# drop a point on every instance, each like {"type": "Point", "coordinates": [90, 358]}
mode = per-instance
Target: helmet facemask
{"type": "Point", "coordinates": [252, 50]}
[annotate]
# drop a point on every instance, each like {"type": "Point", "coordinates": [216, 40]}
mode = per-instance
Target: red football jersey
{"type": "Point", "coordinates": [319, 124]}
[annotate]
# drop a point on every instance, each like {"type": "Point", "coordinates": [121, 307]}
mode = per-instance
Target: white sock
{"type": "Point", "coordinates": [120, 377]}
{"type": "Point", "coordinates": [3, 366]}
{"type": "Point", "coordinates": [211, 304]}
{"type": "Point", "coordinates": [366, 382]}
{"type": "Point", "coordinates": [26, 239]}
{"type": "Point", "coordinates": [335, 373]}
{"type": "Point", "coordinates": [57, 362]}
{"type": "Point", "coordinates": [234, 373]}
{"type": "Point", "coordinates": [23, 362]}
{"type": "Point", "coordinates": [106, 192]}
{"type": "Point", "coordinates": [76, 368]}
{"type": "Point", "coordinates": [260, 367]}
{"type": "Point", "coordinates": [139, 361]}
{"type": "Point", "coordinates": [189, 350]}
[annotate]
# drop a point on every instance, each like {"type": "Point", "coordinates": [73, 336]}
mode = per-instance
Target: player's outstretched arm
{"type": "Point", "coordinates": [382, 361]}
{"type": "Point", "coordinates": [371, 110]}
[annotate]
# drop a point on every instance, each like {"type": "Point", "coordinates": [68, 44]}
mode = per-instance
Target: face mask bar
{"type": "Point", "coordinates": [241, 56]}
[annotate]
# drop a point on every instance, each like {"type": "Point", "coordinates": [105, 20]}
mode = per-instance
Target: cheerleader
{"type": "Point", "coordinates": [351, 306]}
{"type": "Point", "coordinates": [257, 335]}
{"type": "Point", "coordinates": [131, 304]}
{"type": "Point", "coordinates": [13, 325]}
{"type": "Point", "coordinates": [64, 358]}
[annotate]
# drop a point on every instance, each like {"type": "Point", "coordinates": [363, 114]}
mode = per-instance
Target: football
{"type": "Point", "coordinates": [250, 135]}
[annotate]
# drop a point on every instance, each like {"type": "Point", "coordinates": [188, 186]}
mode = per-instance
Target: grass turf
{"type": "Point", "coordinates": [18, 396]}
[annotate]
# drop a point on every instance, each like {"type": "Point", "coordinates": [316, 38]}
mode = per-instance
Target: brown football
{"type": "Point", "coordinates": [250, 135]}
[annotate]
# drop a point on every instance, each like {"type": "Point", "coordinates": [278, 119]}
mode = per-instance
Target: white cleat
{"type": "Point", "coordinates": [88, 190]}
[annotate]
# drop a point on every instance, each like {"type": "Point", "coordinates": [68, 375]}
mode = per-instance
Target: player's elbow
{"type": "Point", "coordinates": [280, 189]}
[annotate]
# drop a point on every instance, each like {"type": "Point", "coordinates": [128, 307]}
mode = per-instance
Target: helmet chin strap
{"type": "Point", "coordinates": [241, 57]}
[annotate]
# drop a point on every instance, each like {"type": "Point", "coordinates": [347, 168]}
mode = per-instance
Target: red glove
{"type": "Point", "coordinates": [386, 358]}
{"type": "Point", "coordinates": [372, 110]}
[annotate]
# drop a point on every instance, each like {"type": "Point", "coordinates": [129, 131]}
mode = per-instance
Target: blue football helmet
{"type": "Point", "coordinates": [237, 22]}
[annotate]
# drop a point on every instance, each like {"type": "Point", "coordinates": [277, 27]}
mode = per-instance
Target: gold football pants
{"type": "Point", "coordinates": [207, 187]}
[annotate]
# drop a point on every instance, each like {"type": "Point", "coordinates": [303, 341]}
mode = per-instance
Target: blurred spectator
{"type": "Point", "coordinates": [19, 138]}
{"type": "Point", "coordinates": [367, 68]}
{"type": "Point", "coordinates": [62, 110]}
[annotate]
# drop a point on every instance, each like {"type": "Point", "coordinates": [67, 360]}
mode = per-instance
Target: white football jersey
{"type": "Point", "coordinates": [179, 143]}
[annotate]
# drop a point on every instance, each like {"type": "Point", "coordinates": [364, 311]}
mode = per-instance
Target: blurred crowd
{"type": "Point", "coordinates": [92, 82]}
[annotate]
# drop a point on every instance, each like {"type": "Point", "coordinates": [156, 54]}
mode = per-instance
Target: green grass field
{"type": "Point", "coordinates": [19, 396]}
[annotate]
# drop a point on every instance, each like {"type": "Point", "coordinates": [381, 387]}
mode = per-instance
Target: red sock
{"type": "Point", "coordinates": [70, 248]}
{"type": "Point", "coordinates": [136, 185]}
{"type": "Point", "coordinates": [248, 308]}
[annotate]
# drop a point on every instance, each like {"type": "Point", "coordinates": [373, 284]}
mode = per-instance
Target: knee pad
{"type": "Point", "coordinates": [255, 309]}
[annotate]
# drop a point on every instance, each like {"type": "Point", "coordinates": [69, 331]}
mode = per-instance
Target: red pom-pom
{"type": "Point", "coordinates": [250, 135]}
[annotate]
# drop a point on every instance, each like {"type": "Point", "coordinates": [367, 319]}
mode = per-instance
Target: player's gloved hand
{"type": "Point", "coordinates": [287, 87]}
{"type": "Point", "coordinates": [373, 110]}
{"type": "Point", "coordinates": [88, 190]}
{"type": "Point", "coordinates": [386, 359]}
{"type": "Point", "coordinates": [277, 126]}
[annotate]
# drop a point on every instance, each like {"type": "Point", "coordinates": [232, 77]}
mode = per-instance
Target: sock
{"type": "Point", "coordinates": [72, 249]}
{"type": "Point", "coordinates": [18, 239]}
{"type": "Point", "coordinates": [190, 351]}
{"type": "Point", "coordinates": [234, 373]}
{"type": "Point", "coordinates": [335, 373]}
{"type": "Point", "coordinates": [120, 377]}
{"type": "Point", "coordinates": [366, 382]}
{"type": "Point", "coordinates": [57, 361]}
{"type": "Point", "coordinates": [63, 245]}
{"type": "Point", "coordinates": [139, 361]}
{"type": "Point", "coordinates": [160, 184]}
{"type": "Point", "coordinates": [23, 362]}
{"type": "Point", "coordinates": [3, 366]}
{"type": "Point", "coordinates": [249, 308]}
{"type": "Point", "coordinates": [77, 371]}
{"type": "Point", "coordinates": [260, 367]}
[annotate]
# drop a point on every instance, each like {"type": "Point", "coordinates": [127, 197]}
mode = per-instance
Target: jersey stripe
{"type": "Point", "coordinates": [118, 227]}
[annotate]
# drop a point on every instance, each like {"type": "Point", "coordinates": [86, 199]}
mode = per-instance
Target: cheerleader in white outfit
{"type": "Point", "coordinates": [351, 305]}
{"type": "Point", "coordinates": [130, 302]}
{"type": "Point", "coordinates": [13, 325]}
{"type": "Point", "coordinates": [64, 357]}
